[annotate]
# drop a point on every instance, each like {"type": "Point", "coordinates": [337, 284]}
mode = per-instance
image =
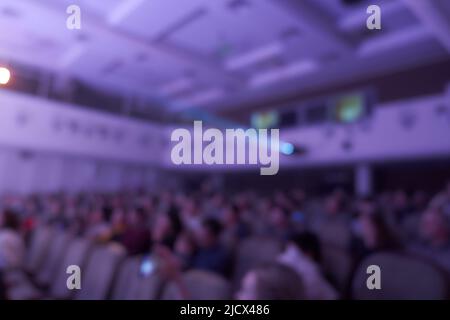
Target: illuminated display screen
{"type": "Point", "coordinates": [350, 108]}
{"type": "Point", "coordinates": [265, 120]}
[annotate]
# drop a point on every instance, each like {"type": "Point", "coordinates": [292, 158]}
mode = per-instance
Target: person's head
{"type": "Point", "coordinates": [184, 244]}
{"type": "Point", "coordinates": [366, 205]}
{"type": "Point", "coordinates": [334, 204]}
{"type": "Point", "coordinates": [434, 227]}
{"type": "Point", "coordinates": [9, 220]}
{"type": "Point", "coordinates": [279, 217]}
{"type": "Point", "coordinates": [118, 217]}
{"type": "Point", "coordinates": [376, 233]}
{"type": "Point", "coordinates": [209, 232]}
{"type": "Point", "coordinates": [230, 215]}
{"type": "Point", "coordinates": [400, 200]}
{"type": "Point", "coordinates": [271, 282]}
{"type": "Point", "coordinates": [308, 243]}
{"type": "Point", "coordinates": [419, 200]}
{"type": "Point", "coordinates": [167, 225]}
{"type": "Point", "coordinates": [107, 212]}
{"type": "Point", "coordinates": [137, 217]}
{"type": "Point", "coordinates": [95, 216]}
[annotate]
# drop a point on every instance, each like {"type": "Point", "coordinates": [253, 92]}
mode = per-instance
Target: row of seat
{"type": "Point", "coordinates": [107, 273]}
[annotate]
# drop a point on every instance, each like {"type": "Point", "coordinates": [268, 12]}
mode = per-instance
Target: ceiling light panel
{"type": "Point", "coordinates": [150, 19]}
{"type": "Point", "coordinates": [226, 32]}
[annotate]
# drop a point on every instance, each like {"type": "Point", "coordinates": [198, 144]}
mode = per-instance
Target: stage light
{"type": "Point", "coordinates": [287, 148]}
{"type": "Point", "coordinates": [5, 75]}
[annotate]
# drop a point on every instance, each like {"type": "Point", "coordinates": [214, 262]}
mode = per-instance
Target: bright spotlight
{"type": "Point", "coordinates": [287, 148]}
{"type": "Point", "coordinates": [5, 75]}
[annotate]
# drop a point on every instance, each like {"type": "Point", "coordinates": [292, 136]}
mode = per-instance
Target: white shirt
{"type": "Point", "coordinates": [316, 287]}
{"type": "Point", "coordinates": [12, 249]}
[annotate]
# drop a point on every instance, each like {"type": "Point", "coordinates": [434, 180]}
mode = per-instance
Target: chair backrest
{"type": "Point", "coordinates": [337, 262]}
{"type": "Point", "coordinates": [130, 285]}
{"type": "Point", "coordinates": [76, 254]}
{"type": "Point", "coordinates": [60, 241]}
{"type": "Point", "coordinates": [201, 285]}
{"type": "Point", "coordinates": [37, 251]}
{"type": "Point", "coordinates": [253, 252]}
{"type": "Point", "coordinates": [99, 272]}
{"type": "Point", "coordinates": [402, 277]}
{"type": "Point", "coordinates": [409, 227]}
{"type": "Point", "coordinates": [334, 232]}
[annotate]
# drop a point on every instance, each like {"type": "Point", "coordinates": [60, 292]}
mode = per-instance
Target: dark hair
{"type": "Point", "coordinates": [175, 221]}
{"type": "Point", "coordinates": [309, 243]}
{"type": "Point", "coordinates": [107, 212]}
{"type": "Point", "coordinates": [235, 209]}
{"type": "Point", "coordinates": [11, 219]}
{"type": "Point", "coordinates": [212, 225]}
{"type": "Point", "coordinates": [385, 238]}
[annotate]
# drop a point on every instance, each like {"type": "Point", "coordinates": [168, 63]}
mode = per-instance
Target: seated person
{"type": "Point", "coordinates": [12, 247]}
{"type": "Point", "coordinates": [372, 234]}
{"type": "Point", "coordinates": [234, 228]}
{"type": "Point", "coordinates": [273, 281]}
{"type": "Point", "coordinates": [137, 238]}
{"type": "Point", "coordinates": [435, 238]}
{"type": "Point", "coordinates": [211, 254]}
{"type": "Point", "coordinates": [184, 249]}
{"type": "Point", "coordinates": [99, 226]}
{"type": "Point", "coordinates": [302, 254]}
{"type": "Point", "coordinates": [166, 227]}
{"type": "Point", "coordinates": [279, 223]}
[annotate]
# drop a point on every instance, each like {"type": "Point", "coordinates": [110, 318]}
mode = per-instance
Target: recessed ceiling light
{"type": "Point", "coordinates": [5, 75]}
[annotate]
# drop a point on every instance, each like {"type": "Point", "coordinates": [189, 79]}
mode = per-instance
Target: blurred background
{"type": "Point", "coordinates": [86, 176]}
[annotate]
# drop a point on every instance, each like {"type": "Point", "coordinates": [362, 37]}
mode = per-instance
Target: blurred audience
{"type": "Point", "coordinates": [303, 255]}
{"type": "Point", "coordinates": [211, 254]}
{"type": "Point", "coordinates": [435, 237]}
{"type": "Point", "coordinates": [202, 229]}
{"type": "Point", "coordinates": [12, 247]}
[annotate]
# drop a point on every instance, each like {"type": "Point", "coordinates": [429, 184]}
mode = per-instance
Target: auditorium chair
{"type": "Point", "coordinates": [334, 232]}
{"type": "Point", "coordinates": [131, 285]}
{"type": "Point", "coordinates": [253, 252]}
{"type": "Point", "coordinates": [58, 245]}
{"type": "Point", "coordinates": [45, 273]}
{"type": "Point", "coordinates": [75, 254]}
{"type": "Point", "coordinates": [402, 277]}
{"type": "Point", "coordinates": [35, 256]}
{"type": "Point", "coordinates": [99, 272]}
{"type": "Point", "coordinates": [201, 285]}
{"type": "Point", "coordinates": [337, 263]}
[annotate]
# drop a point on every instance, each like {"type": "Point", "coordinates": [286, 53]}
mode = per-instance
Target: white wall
{"type": "Point", "coordinates": [43, 173]}
{"type": "Point", "coordinates": [47, 146]}
{"type": "Point", "coordinates": [32, 123]}
{"type": "Point", "coordinates": [382, 138]}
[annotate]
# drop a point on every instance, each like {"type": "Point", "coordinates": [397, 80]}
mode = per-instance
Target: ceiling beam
{"type": "Point", "coordinates": [314, 22]}
{"type": "Point", "coordinates": [185, 54]}
{"type": "Point", "coordinates": [433, 18]}
{"type": "Point", "coordinates": [101, 28]}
